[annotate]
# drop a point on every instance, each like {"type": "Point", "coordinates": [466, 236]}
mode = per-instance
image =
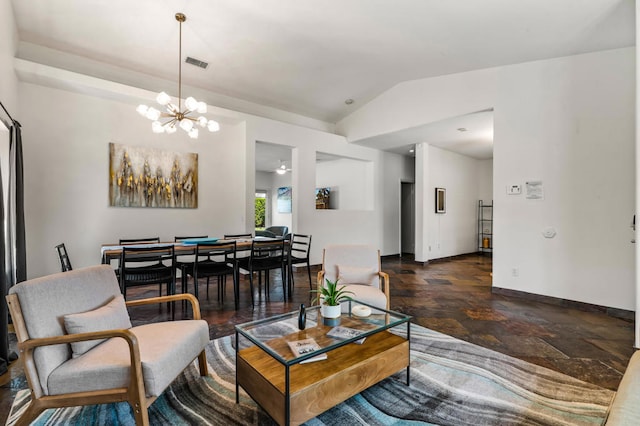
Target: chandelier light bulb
{"type": "Point", "coordinates": [153, 114]}
{"type": "Point", "coordinates": [142, 110]}
{"type": "Point", "coordinates": [157, 127]}
{"type": "Point", "coordinates": [171, 128]}
{"type": "Point", "coordinates": [191, 103]}
{"type": "Point", "coordinates": [213, 126]}
{"type": "Point", "coordinates": [202, 121]}
{"type": "Point", "coordinates": [202, 108]}
{"type": "Point", "coordinates": [186, 125]}
{"type": "Point", "coordinates": [193, 133]}
{"type": "Point", "coordinates": [163, 99]}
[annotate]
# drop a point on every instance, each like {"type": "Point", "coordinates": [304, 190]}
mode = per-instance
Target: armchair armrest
{"type": "Point", "coordinates": [384, 282]}
{"type": "Point", "coordinates": [195, 305]}
{"type": "Point", "coordinates": [384, 286]}
{"type": "Point", "coordinates": [125, 334]}
{"type": "Point", "coordinates": [27, 347]}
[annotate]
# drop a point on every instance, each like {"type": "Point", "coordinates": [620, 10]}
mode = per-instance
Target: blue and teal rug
{"type": "Point", "coordinates": [452, 383]}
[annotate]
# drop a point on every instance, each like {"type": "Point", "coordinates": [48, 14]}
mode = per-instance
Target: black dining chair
{"type": "Point", "coordinates": [299, 251]}
{"type": "Point", "coordinates": [184, 263]}
{"type": "Point", "coordinates": [217, 259]}
{"type": "Point", "coordinates": [265, 256]}
{"type": "Point", "coordinates": [147, 265]}
{"type": "Point", "coordinates": [65, 263]}
{"type": "Point", "coordinates": [124, 241]}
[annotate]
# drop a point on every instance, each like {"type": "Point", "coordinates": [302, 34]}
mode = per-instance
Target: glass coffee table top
{"type": "Point", "coordinates": [280, 335]}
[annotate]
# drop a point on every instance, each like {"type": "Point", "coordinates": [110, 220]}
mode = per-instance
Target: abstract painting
{"type": "Point", "coordinates": [147, 177]}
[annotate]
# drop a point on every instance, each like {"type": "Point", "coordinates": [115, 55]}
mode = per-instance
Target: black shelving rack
{"type": "Point", "coordinates": [485, 227]}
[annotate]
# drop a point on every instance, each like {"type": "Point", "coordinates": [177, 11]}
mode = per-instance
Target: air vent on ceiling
{"type": "Point", "coordinates": [197, 62]}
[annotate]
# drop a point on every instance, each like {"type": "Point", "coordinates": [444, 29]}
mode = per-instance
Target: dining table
{"type": "Point", "coordinates": [110, 251]}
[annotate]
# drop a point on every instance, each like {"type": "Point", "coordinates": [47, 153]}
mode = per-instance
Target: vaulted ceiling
{"type": "Point", "coordinates": [309, 57]}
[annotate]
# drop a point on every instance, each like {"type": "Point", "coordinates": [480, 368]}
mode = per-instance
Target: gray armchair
{"type": "Point", "coordinates": [78, 347]}
{"type": "Point", "coordinates": [357, 267]}
{"type": "Point", "coordinates": [278, 231]}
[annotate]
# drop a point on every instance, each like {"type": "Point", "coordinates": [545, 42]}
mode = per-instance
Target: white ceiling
{"type": "Point", "coordinates": [308, 57]}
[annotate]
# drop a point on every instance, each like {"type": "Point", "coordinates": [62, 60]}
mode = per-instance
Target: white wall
{"type": "Point", "coordinates": [66, 172]}
{"type": "Point", "coordinates": [8, 47]}
{"type": "Point", "coordinates": [66, 137]}
{"type": "Point", "coordinates": [568, 122]}
{"type": "Point", "coordinates": [454, 232]}
{"type": "Point", "coordinates": [485, 180]}
{"type": "Point", "coordinates": [351, 183]}
{"type": "Point", "coordinates": [325, 226]}
{"type": "Point", "coordinates": [575, 133]}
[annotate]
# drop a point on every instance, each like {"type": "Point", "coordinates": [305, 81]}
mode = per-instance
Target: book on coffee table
{"type": "Point", "coordinates": [344, 333]}
{"type": "Point", "coordinates": [305, 346]}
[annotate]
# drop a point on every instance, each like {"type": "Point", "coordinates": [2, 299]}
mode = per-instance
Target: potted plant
{"type": "Point", "coordinates": [330, 296]}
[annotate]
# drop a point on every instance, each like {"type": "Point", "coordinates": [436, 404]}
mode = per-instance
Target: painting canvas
{"type": "Point", "coordinates": [440, 200]}
{"type": "Point", "coordinates": [147, 177]}
{"type": "Point", "coordinates": [284, 199]}
{"type": "Point", "coordinates": [323, 196]}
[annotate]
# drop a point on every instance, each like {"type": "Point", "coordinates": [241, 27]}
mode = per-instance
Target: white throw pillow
{"type": "Point", "coordinates": [355, 275]}
{"type": "Point", "coordinates": [112, 316]}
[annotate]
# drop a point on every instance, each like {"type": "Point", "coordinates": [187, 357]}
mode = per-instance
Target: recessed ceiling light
{"type": "Point", "coordinates": [349, 101]}
{"type": "Point", "coordinates": [412, 150]}
{"type": "Point", "coordinates": [462, 129]}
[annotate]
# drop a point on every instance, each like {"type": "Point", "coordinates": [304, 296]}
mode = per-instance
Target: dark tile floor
{"type": "Point", "coordinates": [451, 296]}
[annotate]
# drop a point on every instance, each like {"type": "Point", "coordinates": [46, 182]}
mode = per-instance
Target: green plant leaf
{"type": "Point", "coordinates": [330, 294]}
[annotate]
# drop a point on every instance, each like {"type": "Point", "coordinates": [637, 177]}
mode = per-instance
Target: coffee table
{"type": "Point", "coordinates": [292, 389]}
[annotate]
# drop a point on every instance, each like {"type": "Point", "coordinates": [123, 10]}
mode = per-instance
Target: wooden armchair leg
{"type": "Point", "coordinates": [30, 414]}
{"type": "Point", "coordinates": [202, 364]}
{"type": "Point", "coordinates": [140, 412]}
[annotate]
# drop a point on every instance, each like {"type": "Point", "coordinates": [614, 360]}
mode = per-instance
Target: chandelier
{"type": "Point", "coordinates": [173, 116]}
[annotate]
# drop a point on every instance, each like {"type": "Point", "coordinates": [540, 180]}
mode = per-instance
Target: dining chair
{"type": "Point", "coordinates": [264, 257]}
{"type": "Point", "coordinates": [184, 263]}
{"type": "Point", "coordinates": [241, 252]}
{"type": "Point", "coordinates": [147, 265]}
{"type": "Point", "coordinates": [217, 259]}
{"type": "Point", "coordinates": [65, 263]}
{"type": "Point", "coordinates": [124, 241]}
{"type": "Point", "coordinates": [299, 251]}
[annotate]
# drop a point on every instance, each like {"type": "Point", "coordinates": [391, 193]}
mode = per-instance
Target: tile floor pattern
{"type": "Point", "coordinates": [451, 296]}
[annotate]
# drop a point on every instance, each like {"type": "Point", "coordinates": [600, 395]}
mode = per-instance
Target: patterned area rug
{"type": "Point", "coordinates": [452, 383]}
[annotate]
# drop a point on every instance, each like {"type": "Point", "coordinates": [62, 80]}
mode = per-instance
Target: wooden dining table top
{"type": "Point", "coordinates": [113, 251]}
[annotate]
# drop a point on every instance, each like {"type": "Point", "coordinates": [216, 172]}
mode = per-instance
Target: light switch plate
{"type": "Point", "coordinates": [514, 189]}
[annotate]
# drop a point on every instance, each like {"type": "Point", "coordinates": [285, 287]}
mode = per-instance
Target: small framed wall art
{"type": "Point", "coordinates": [441, 205]}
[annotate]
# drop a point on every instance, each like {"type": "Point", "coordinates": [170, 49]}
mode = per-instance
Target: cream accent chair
{"type": "Point", "coordinates": [358, 269]}
{"type": "Point", "coordinates": [57, 319]}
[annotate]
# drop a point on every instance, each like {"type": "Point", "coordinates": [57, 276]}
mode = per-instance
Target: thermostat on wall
{"type": "Point", "coordinates": [514, 189]}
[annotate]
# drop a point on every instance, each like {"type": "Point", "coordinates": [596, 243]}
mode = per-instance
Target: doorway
{"type": "Point", "coordinates": [262, 208]}
{"type": "Point", "coordinates": [407, 218]}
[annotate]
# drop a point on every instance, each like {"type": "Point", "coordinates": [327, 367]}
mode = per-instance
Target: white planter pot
{"type": "Point", "coordinates": [330, 311]}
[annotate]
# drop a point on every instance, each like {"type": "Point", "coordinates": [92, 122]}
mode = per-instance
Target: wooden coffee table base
{"type": "Point", "coordinates": [318, 386]}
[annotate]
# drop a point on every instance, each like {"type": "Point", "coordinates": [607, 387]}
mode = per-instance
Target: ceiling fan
{"type": "Point", "coordinates": [282, 169]}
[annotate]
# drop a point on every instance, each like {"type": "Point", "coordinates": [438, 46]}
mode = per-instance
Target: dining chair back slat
{"type": "Point", "coordinates": [147, 265]}
{"type": "Point", "coordinates": [299, 253]}
{"type": "Point", "coordinates": [265, 256]}
{"type": "Point", "coordinates": [128, 241]}
{"type": "Point", "coordinates": [217, 259]}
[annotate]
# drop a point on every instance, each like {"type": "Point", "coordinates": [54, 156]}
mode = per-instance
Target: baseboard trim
{"type": "Point", "coordinates": [612, 312]}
